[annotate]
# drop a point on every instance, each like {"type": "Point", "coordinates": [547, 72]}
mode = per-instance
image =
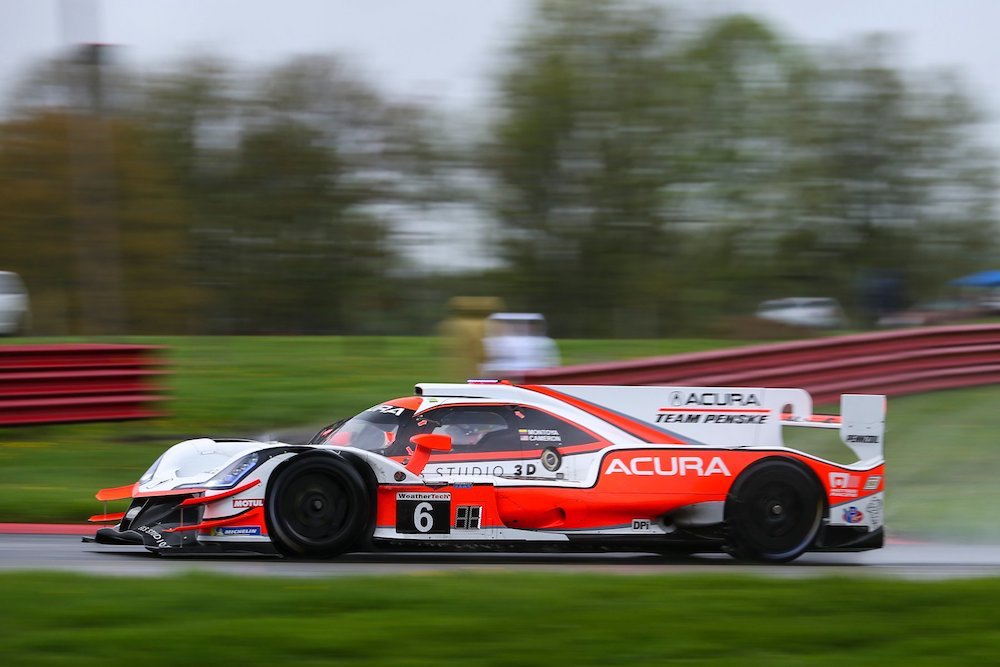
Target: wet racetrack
{"type": "Point", "coordinates": [912, 561]}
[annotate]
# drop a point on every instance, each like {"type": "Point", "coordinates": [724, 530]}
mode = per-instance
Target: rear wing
{"type": "Point", "coordinates": [861, 424]}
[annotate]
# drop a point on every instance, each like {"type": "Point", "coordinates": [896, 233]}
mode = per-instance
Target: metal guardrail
{"type": "Point", "coordinates": [42, 384]}
{"type": "Point", "coordinates": [45, 384]}
{"type": "Point", "coordinates": [888, 362]}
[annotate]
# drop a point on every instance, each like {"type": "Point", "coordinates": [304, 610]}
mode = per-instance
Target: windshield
{"type": "Point", "coordinates": [373, 430]}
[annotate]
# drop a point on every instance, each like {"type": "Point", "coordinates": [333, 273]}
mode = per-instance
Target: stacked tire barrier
{"type": "Point", "coordinates": [888, 362]}
{"type": "Point", "coordinates": [45, 384]}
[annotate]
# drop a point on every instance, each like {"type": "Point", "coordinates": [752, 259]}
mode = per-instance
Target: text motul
{"type": "Point", "coordinates": [668, 466]}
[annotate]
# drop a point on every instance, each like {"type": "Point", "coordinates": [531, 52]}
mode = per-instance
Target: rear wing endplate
{"type": "Point", "coordinates": [861, 424]}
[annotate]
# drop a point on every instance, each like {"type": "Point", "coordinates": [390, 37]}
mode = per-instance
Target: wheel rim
{"type": "Point", "coordinates": [780, 519]}
{"type": "Point", "coordinates": [776, 513]}
{"type": "Point", "coordinates": [315, 507]}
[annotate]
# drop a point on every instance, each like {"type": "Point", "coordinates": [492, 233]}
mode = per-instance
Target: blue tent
{"type": "Point", "coordinates": [981, 279]}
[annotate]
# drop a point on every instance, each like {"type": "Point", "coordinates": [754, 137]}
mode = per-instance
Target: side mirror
{"type": "Point", "coordinates": [426, 443]}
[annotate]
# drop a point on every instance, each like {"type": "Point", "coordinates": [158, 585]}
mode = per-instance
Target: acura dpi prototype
{"type": "Point", "coordinates": [490, 465]}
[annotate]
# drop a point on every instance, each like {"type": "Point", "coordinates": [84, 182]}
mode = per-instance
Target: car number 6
{"type": "Point", "coordinates": [423, 520]}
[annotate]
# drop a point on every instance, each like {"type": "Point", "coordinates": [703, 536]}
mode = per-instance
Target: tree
{"type": "Point", "coordinates": [887, 177]}
{"type": "Point", "coordinates": [651, 180]}
{"type": "Point", "coordinates": [76, 180]}
{"type": "Point", "coordinates": [321, 164]}
{"type": "Point", "coordinates": [582, 150]}
{"type": "Point", "coordinates": [258, 203]}
{"type": "Point", "coordinates": [295, 178]}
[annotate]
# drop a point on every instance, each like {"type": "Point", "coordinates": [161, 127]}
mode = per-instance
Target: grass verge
{"type": "Point", "coordinates": [504, 619]}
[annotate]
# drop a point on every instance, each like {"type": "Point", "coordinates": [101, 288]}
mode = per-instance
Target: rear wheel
{"type": "Point", "coordinates": [773, 512]}
{"type": "Point", "coordinates": [317, 507]}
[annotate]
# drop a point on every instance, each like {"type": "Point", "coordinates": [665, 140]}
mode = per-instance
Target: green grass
{"type": "Point", "coordinates": [943, 455]}
{"type": "Point", "coordinates": [497, 619]}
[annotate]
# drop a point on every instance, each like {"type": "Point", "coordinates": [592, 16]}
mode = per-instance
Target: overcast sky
{"type": "Point", "coordinates": [443, 51]}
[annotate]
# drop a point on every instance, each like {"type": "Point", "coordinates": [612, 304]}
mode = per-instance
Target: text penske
{"type": "Point", "coordinates": [680, 466]}
{"type": "Point", "coordinates": [667, 417]}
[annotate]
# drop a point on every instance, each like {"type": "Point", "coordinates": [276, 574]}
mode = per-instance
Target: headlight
{"type": "Point", "coordinates": [148, 475]}
{"type": "Point", "coordinates": [234, 472]}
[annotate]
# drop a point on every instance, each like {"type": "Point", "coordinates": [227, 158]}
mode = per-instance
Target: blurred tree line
{"type": "Point", "coordinates": [636, 175]}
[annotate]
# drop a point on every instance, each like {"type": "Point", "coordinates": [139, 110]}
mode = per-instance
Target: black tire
{"type": "Point", "coordinates": [773, 512]}
{"type": "Point", "coordinates": [317, 507]}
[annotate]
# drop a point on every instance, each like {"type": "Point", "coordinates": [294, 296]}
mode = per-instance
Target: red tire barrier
{"type": "Point", "coordinates": [887, 362]}
{"type": "Point", "coordinates": [45, 384]}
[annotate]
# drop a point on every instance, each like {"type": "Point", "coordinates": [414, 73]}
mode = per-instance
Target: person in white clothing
{"type": "Point", "coordinates": [515, 343]}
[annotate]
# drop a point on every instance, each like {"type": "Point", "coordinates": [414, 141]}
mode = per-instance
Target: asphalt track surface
{"type": "Point", "coordinates": [67, 553]}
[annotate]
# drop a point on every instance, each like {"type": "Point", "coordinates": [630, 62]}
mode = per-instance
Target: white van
{"type": "Point", "coordinates": [818, 312]}
{"type": "Point", "coordinates": [15, 311]}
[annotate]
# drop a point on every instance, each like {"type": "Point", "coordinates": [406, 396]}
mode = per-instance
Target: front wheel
{"type": "Point", "coordinates": [773, 512]}
{"type": "Point", "coordinates": [317, 507]}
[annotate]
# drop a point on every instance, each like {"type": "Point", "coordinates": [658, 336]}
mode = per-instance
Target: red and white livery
{"type": "Point", "coordinates": [492, 465]}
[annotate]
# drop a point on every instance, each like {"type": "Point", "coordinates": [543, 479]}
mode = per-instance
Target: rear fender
{"type": "Point", "coordinates": [812, 474]}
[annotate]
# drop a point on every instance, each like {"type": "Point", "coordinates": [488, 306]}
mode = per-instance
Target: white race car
{"type": "Point", "coordinates": [490, 465]}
